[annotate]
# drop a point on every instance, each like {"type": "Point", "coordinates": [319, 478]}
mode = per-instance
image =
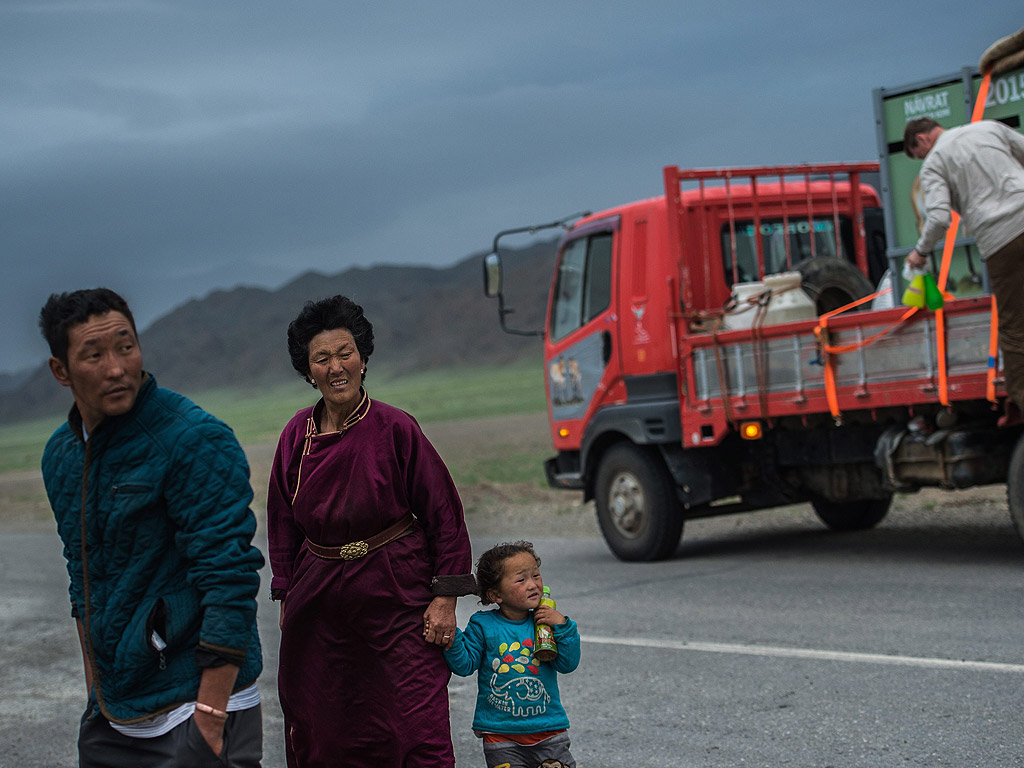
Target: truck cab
{"type": "Point", "coordinates": [631, 281]}
{"type": "Point", "coordinates": [677, 389]}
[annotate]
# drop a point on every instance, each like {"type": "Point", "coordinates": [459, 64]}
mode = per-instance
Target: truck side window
{"type": "Point", "coordinates": [583, 288]}
{"type": "Point", "coordinates": [599, 277]}
{"type": "Point", "coordinates": [773, 244]}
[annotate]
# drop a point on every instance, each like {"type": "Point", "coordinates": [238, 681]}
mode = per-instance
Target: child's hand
{"type": "Point", "coordinates": [546, 615]}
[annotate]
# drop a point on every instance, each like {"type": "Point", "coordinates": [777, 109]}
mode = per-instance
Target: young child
{"type": "Point", "coordinates": [518, 711]}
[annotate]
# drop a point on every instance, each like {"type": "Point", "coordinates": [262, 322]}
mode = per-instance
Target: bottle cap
{"type": "Point", "coordinates": [546, 590]}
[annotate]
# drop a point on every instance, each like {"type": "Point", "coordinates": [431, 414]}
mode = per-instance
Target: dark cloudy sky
{"type": "Point", "coordinates": [169, 148]}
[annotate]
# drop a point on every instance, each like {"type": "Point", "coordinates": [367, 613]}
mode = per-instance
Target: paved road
{"type": "Point", "coordinates": [896, 647]}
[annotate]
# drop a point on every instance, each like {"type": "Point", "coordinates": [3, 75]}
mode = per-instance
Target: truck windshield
{"type": "Point", "coordinates": [583, 287]}
{"type": "Point", "coordinates": [774, 234]}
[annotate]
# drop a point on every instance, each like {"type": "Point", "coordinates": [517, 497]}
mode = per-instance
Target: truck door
{"type": "Point", "coordinates": [581, 323]}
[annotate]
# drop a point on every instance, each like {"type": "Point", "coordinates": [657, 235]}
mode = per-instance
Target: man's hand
{"type": "Point", "coordinates": [915, 260]}
{"type": "Point", "coordinates": [214, 689]}
{"type": "Point", "coordinates": [212, 728]}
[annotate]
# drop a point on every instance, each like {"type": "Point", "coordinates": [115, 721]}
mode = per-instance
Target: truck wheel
{"type": "Point", "coordinates": [832, 283]}
{"type": "Point", "coordinates": [637, 508]}
{"type": "Point", "coordinates": [1015, 487]}
{"type": "Point", "coordinates": [852, 515]}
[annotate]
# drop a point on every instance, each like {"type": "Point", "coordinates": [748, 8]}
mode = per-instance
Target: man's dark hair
{"type": "Point", "coordinates": [915, 128]}
{"type": "Point", "coordinates": [63, 311]}
{"type": "Point", "coordinates": [491, 566]}
{"type": "Point", "coordinates": [328, 315]}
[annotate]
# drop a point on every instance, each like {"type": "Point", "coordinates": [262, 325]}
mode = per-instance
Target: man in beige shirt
{"type": "Point", "coordinates": [977, 170]}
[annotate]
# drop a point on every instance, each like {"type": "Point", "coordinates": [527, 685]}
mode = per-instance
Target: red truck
{"type": "Point", "coordinates": [685, 380]}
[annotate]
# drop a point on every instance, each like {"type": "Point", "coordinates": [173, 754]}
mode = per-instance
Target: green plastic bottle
{"type": "Point", "coordinates": [932, 295]}
{"type": "Point", "coordinates": [547, 648]}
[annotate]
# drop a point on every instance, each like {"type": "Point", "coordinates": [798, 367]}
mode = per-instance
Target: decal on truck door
{"type": "Point", "coordinates": [575, 355]}
{"type": "Point", "coordinates": [640, 333]}
{"type": "Point", "coordinates": [572, 377]}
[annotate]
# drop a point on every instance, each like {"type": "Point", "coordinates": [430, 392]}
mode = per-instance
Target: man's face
{"type": "Point", "coordinates": [104, 367]}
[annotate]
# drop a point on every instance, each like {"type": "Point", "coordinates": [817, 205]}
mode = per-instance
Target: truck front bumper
{"type": "Point", "coordinates": [559, 475]}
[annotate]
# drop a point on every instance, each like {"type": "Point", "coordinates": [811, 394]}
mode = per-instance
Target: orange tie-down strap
{"type": "Point", "coordinates": [993, 341]}
{"type": "Point", "coordinates": [947, 258]}
{"type": "Point", "coordinates": [993, 354]}
{"type": "Point", "coordinates": [940, 313]}
{"type": "Point", "coordinates": [829, 351]}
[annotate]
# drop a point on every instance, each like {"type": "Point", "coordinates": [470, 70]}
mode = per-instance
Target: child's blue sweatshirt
{"type": "Point", "coordinates": [515, 692]}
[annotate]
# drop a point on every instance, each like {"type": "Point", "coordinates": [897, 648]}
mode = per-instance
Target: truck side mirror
{"type": "Point", "coordinates": [492, 275]}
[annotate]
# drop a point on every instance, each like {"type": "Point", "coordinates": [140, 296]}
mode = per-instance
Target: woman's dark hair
{"type": "Point", "coordinates": [491, 566]}
{"type": "Point", "coordinates": [328, 315]}
{"type": "Point", "coordinates": [63, 311]}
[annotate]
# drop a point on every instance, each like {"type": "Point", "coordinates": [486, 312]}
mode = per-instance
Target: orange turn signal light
{"type": "Point", "coordinates": [563, 432]}
{"type": "Point", "coordinates": [751, 430]}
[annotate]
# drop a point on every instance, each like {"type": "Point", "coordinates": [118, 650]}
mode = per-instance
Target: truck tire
{"type": "Point", "coordinates": [852, 515]}
{"type": "Point", "coordinates": [1015, 487]}
{"type": "Point", "coordinates": [640, 517]}
{"type": "Point", "coordinates": [832, 283]}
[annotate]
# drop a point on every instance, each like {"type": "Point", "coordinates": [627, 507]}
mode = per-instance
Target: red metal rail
{"type": "Point", "coordinates": [842, 179]}
{"type": "Point", "coordinates": [705, 420]}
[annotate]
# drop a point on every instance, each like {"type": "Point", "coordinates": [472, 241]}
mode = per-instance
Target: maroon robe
{"type": "Point", "coordinates": [359, 686]}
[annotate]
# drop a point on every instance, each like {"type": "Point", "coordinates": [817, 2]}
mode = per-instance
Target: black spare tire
{"type": "Point", "coordinates": [833, 282]}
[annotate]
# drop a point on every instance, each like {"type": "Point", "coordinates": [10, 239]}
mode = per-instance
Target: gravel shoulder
{"type": "Point", "coordinates": [502, 511]}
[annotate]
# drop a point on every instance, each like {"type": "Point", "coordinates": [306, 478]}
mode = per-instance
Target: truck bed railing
{"type": "Point", "coordinates": [715, 186]}
{"type": "Point", "coordinates": [779, 371]}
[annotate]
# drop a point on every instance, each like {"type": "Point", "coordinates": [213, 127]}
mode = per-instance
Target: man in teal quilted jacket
{"type": "Point", "coordinates": [151, 496]}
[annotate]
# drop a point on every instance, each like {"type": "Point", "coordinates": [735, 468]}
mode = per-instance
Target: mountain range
{"type": "Point", "coordinates": [423, 318]}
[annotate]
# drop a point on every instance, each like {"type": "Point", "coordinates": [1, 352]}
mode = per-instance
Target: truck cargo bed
{"type": "Point", "coordinates": [780, 370]}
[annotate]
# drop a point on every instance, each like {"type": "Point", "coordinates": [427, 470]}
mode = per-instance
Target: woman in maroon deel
{"type": "Point", "coordinates": [369, 552]}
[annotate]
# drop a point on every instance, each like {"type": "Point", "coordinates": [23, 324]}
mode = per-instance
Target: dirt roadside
{"type": "Point", "coordinates": [492, 509]}
{"type": "Point", "coordinates": [500, 511]}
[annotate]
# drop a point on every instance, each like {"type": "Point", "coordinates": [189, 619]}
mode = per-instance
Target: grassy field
{"type": "Point", "coordinates": [488, 424]}
{"type": "Point", "coordinates": [435, 397]}
{"type": "Point", "coordinates": [21, 445]}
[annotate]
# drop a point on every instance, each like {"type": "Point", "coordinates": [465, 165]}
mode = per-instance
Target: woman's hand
{"type": "Point", "coordinates": [439, 621]}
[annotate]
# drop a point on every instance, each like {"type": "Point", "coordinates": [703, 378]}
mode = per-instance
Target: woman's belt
{"type": "Point", "coordinates": [356, 549]}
